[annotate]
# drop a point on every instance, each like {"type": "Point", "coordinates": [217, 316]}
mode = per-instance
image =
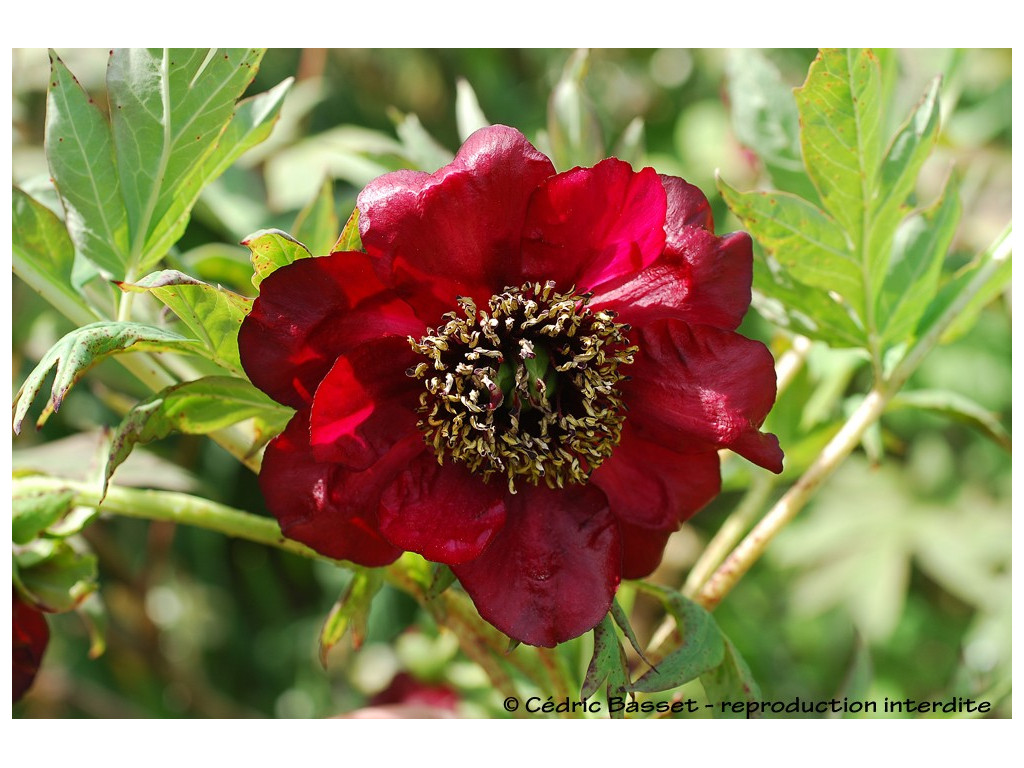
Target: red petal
{"type": "Point", "coordinates": [650, 485]}
{"type": "Point", "coordinates": [695, 387]}
{"type": "Point", "coordinates": [442, 512]}
{"type": "Point", "coordinates": [30, 637]}
{"type": "Point", "coordinates": [642, 549]}
{"type": "Point", "coordinates": [702, 279]}
{"type": "Point", "coordinates": [454, 232]}
{"type": "Point", "coordinates": [552, 571]}
{"type": "Point", "coordinates": [326, 506]}
{"type": "Point", "coordinates": [365, 404]}
{"type": "Point", "coordinates": [687, 208]}
{"type": "Point", "coordinates": [307, 314]}
{"type": "Point", "coordinates": [587, 226]}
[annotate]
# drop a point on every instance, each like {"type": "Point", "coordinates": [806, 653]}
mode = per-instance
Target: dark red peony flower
{"type": "Point", "coordinates": [526, 376]}
{"type": "Point", "coordinates": [31, 634]}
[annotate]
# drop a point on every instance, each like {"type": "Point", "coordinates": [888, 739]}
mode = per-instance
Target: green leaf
{"type": "Point", "coordinates": [80, 153]}
{"type": "Point", "coordinates": [211, 313]}
{"type": "Point", "coordinates": [93, 613]}
{"type": "Point", "coordinates": [349, 240]}
{"type": "Point", "coordinates": [317, 223]}
{"type": "Point", "coordinates": [34, 513]}
{"type": "Point", "coordinates": [840, 116]}
{"type": "Point", "coordinates": [420, 147]}
{"type": "Point", "coordinates": [83, 348]}
{"type": "Point", "coordinates": [573, 128]}
{"type": "Point", "coordinates": [272, 249]}
{"type": "Point", "coordinates": [701, 647]}
{"type": "Point", "coordinates": [59, 580]}
{"type": "Point", "coordinates": [630, 146]}
{"type": "Point", "coordinates": [253, 120]}
{"type": "Point", "coordinates": [195, 408]}
{"type": "Point", "coordinates": [765, 119]}
{"type": "Point", "coordinates": [40, 237]}
{"type": "Point", "coordinates": [918, 252]}
{"type": "Point", "coordinates": [803, 239]}
{"type": "Point", "coordinates": [607, 663]}
{"type": "Point", "coordinates": [168, 110]}
{"type": "Point", "coordinates": [468, 116]}
{"type": "Point", "coordinates": [958, 407]}
{"type": "Point", "coordinates": [351, 612]}
{"type": "Point", "coordinates": [622, 620]}
{"type": "Point", "coordinates": [898, 176]}
{"type": "Point", "coordinates": [729, 683]}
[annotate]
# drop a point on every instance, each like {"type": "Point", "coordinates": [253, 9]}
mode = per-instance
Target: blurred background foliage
{"type": "Point", "coordinates": [895, 581]}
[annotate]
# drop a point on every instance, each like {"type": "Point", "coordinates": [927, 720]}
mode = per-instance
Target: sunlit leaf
{"type": "Point", "coordinates": [272, 249]}
{"type": "Point", "coordinates": [80, 152]}
{"type": "Point", "coordinates": [317, 223]}
{"type": "Point", "coordinates": [83, 348]}
{"type": "Point", "coordinates": [212, 314]}
{"type": "Point", "coordinates": [423, 149]}
{"type": "Point", "coordinates": [573, 128]}
{"type": "Point", "coordinates": [468, 116]}
{"type": "Point", "coordinates": [349, 239]}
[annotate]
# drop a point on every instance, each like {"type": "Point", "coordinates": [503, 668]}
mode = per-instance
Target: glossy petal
{"type": "Point", "coordinates": [454, 232]}
{"type": "Point", "coordinates": [326, 506]}
{"type": "Point", "coordinates": [30, 637]}
{"type": "Point", "coordinates": [551, 572]}
{"type": "Point", "coordinates": [688, 208]}
{"type": "Point", "coordinates": [697, 387]}
{"type": "Point", "coordinates": [444, 513]}
{"type": "Point", "coordinates": [365, 404]}
{"type": "Point", "coordinates": [307, 314]}
{"type": "Point", "coordinates": [587, 226]}
{"type": "Point", "coordinates": [706, 282]}
{"type": "Point", "coordinates": [653, 486]}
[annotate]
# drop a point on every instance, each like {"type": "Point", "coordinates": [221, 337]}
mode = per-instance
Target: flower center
{"type": "Point", "coordinates": [527, 389]}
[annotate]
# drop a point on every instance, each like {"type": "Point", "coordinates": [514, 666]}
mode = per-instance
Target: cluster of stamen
{"type": "Point", "coordinates": [525, 389]}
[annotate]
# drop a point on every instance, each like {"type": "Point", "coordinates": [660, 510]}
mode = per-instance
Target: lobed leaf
{"type": "Point", "coordinates": [701, 648]}
{"type": "Point", "coordinates": [272, 249]}
{"type": "Point", "coordinates": [80, 154]}
{"type": "Point", "coordinates": [195, 408]}
{"type": "Point", "coordinates": [168, 110]}
{"type": "Point", "coordinates": [84, 347]}
{"type": "Point", "coordinates": [211, 313]}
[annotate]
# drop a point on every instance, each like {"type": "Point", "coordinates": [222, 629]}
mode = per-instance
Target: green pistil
{"type": "Point", "coordinates": [525, 389]}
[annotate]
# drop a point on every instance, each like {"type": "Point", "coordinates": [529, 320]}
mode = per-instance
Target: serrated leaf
{"type": "Point", "coordinates": [700, 649]}
{"type": "Point", "coordinates": [80, 153]}
{"type": "Point", "coordinates": [918, 252]}
{"type": "Point", "coordinates": [730, 682]}
{"type": "Point", "coordinates": [802, 238]}
{"type": "Point", "coordinates": [958, 407]}
{"type": "Point", "coordinates": [195, 408]}
{"type": "Point", "coordinates": [253, 120]}
{"type": "Point", "coordinates": [349, 239]}
{"type": "Point", "coordinates": [765, 119]}
{"type": "Point", "coordinates": [317, 223]}
{"type": "Point", "coordinates": [840, 133]}
{"type": "Point", "coordinates": [168, 110]}
{"type": "Point", "coordinates": [607, 663]}
{"type": "Point", "coordinates": [469, 117]}
{"type": "Point", "coordinates": [34, 513]}
{"type": "Point", "coordinates": [211, 313]}
{"type": "Point", "coordinates": [420, 147]}
{"type": "Point", "coordinates": [272, 249]}
{"type": "Point", "coordinates": [350, 612]}
{"type": "Point", "coordinates": [83, 348]}
{"type": "Point", "coordinates": [59, 581]}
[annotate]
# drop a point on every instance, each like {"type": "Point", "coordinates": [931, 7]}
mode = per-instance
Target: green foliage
{"type": "Point", "coordinates": [272, 249]}
{"type": "Point", "coordinates": [351, 612]}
